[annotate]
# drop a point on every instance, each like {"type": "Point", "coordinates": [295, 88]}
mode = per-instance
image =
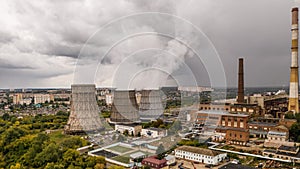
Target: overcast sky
{"type": "Point", "coordinates": [41, 41]}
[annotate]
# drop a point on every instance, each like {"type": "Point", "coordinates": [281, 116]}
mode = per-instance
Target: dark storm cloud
{"type": "Point", "coordinates": [5, 65]}
{"type": "Point", "coordinates": [42, 39]}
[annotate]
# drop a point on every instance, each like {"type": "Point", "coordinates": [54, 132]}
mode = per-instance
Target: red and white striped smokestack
{"type": "Point", "coordinates": [240, 98]}
{"type": "Point", "coordinates": [294, 80]}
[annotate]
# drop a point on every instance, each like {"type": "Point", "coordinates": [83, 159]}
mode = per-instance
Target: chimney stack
{"type": "Point", "coordinates": [240, 98]}
{"type": "Point", "coordinates": [294, 81]}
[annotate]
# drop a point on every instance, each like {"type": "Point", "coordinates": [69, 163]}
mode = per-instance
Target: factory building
{"type": "Point", "coordinates": [215, 107]}
{"type": "Point", "coordinates": [254, 110]}
{"type": "Point", "coordinates": [201, 155]}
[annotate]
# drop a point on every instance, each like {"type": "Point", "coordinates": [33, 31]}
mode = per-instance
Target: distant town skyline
{"type": "Point", "coordinates": [40, 41]}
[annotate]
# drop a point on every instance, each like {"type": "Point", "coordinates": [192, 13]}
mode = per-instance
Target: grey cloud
{"type": "Point", "coordinates": [257, 30]}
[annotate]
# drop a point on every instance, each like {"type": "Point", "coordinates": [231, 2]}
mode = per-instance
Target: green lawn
{"type": "Point", "coordinates": [120, 149]}
{"type": "Point", "coordinates": [122, 159]}
{"type": "Point", "coordinates": [126, 157]}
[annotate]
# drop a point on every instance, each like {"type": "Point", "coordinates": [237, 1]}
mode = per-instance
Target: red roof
{"type": "Point", "coordinates": [154, 160]}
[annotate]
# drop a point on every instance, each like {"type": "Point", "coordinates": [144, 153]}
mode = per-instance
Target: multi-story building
{"type": "Point", "coordinates": [236, 128]}
{"type": "Point", "coordinates": [223, 124]}
{"type": "Point", "coordinates": [237, 136]}
{"type": "Point", "coordinates": [260, 127]}
{"type": "Point", "coordinates": [17, 98]}
{"type": "Point", "coordinates": [41, 98]}
{"type": "Point", "coordinates": [26, 101]}
{"type": "Point", "coordinates": [254, 110]}
{"type": "Point", "coordinates": [109, 99]}
{"type": "Point", "coordinates": [215, 107]}
{"type": "Point", "coordinates": [201, 155]}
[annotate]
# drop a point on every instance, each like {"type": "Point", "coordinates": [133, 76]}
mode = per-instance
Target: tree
{"type": "Point", "coordinates": [70, 155]}
{"type": "Point", "coordinates": [132, 134]}
{"type": "Point", "coordinates": [17, 166]}
{"type": "Point", "coordinates": [160, 149]}
{"type": "Point", "coordinates": [115, 167]}
{"type": "Point", "coordinates": [126, 132]}
{"type": "Point", "coordinates": [121, 138]}
{"type": "Point", "coordinates": [51, 153]}
{"type": "Point", "coordinates": [5, 116]}
{"type": "Point", "coordinates": [295, 132]}
{"type": "Point", "coordinates": [99, 166]}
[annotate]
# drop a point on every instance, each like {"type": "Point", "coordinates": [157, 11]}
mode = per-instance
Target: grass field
{"type": "Point", "coordinates": [126, 157]}
{"type": "Point", "coordinates": [120, 149]}
{"type": "Point", "coordinates": [122, 159]}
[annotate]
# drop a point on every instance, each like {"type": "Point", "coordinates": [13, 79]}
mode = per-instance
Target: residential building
{"type": "Point", "coordinates": [41, 98]}
{"type": "Point", "coordinates": [109, 99]}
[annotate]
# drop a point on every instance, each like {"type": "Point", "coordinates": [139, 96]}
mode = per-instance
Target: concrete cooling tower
{"type": "Point", "coordinates": [124, 108]}
{"type": "Point", "coordinates": [151, 106]}
{"type": "Point", "coordinates": [84, 116]}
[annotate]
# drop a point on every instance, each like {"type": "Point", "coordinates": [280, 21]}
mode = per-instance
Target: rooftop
{"type": "Point", "coordinates": [262, 123]}
{"type": "Point", "coordinates": [277, 133]}
{"type": "Point", "coordinates": [214, 112]}
{"type": "Point", "coordinates": [154, 160]}
{"type": "Point", "coordinates": [235, 166]}
{"type": "Point", "coordinates": [137, 155]}
{"type": "Point", "coordinates": [198, 150]}
{"type": "Point", "coordinates": [288, 148]}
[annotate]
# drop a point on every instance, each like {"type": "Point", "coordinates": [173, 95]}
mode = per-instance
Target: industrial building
{"type": "Point", "coordinates": [124, 108]}
{"type": "Point", "coordinates": [151, 105]}
{"type": "Point", "coordinates": [201, 155]}
{"type": "Point", "coordinates": [84, 116]}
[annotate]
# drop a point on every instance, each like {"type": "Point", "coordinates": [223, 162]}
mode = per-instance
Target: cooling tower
{"type": "Point", "coordinates": [84, 116]}
{"type": "Point", "coordinates": [294, 80]}
{"type": "Point", "coordinates": [240, 98]}
{"type": "Point", "coordinates": [124, 108]}
{"type": "Point", "coordinates": [151, 106]}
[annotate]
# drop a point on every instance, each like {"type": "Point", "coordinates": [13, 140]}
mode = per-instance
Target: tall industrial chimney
{"type": "Point", "coordinates": [240, 98]}
{"type": "Point", "coordinates": [294, 81]}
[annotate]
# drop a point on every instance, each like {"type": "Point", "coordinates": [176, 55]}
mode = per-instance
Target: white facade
{"type": "Point", "coordinates": [26, 101]}
{"type": "Point", "coordinates": [41, 98]}
{"type": "Point", "coordinates": [108, 99]}
{"type": "Point", "coordinates": [277, 136]}
{"type": "Point", "coordinates": [131, 129]}
{"type": "Point", "coordinates": [154, 132]}
{"type": "Point", "coordinates": [201, 156]}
